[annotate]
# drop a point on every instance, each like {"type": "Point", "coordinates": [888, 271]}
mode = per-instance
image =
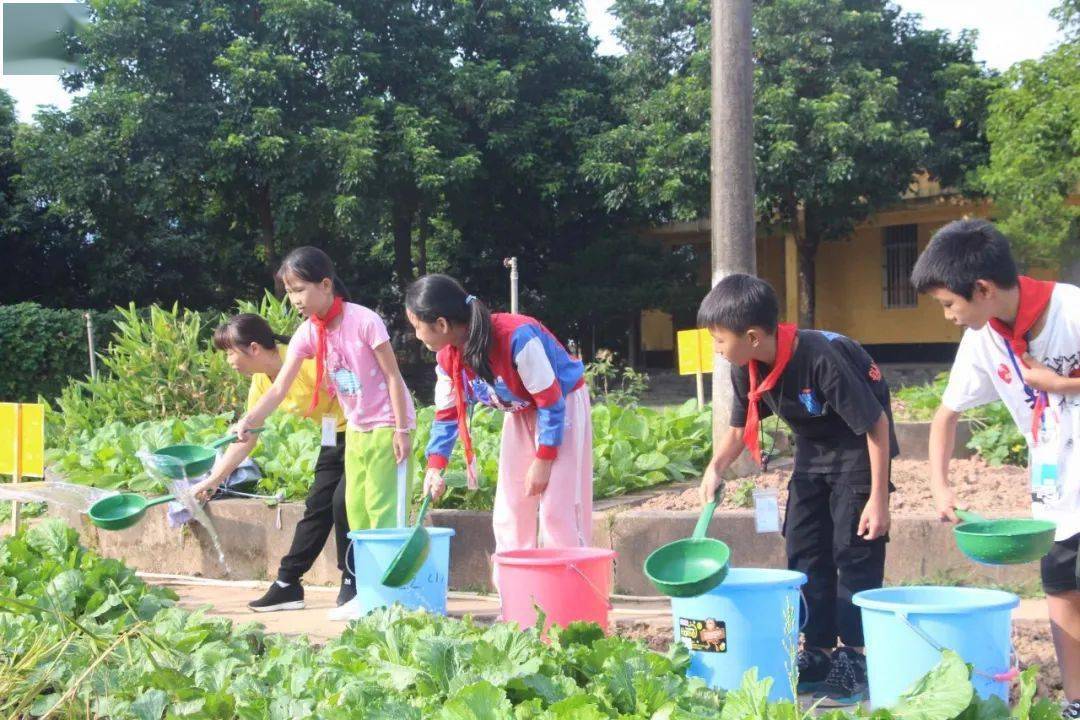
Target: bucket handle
{"type": "Point", "coordinates": [349, 554]}
{"type": "Point", "coordinates": [1006, 677]}
{"type": "Point", "coordinates": [596, 590]}
{"type": "Point", "coordinates": [806, 607]}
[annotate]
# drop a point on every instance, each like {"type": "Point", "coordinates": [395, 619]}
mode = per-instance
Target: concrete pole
{"type": "Point", "coordinates": [732, 166]}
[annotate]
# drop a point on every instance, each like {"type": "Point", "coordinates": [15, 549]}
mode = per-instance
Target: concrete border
{"type": "Point", "coordinates": [921, 548]}
{"type": "Point", "coordinates": [914, 440]}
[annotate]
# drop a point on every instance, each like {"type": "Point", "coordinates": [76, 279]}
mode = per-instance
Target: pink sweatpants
{"type": "Point", "coordinates": [565, 508]}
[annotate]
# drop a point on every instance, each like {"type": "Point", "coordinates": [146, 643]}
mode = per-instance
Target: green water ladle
{"type": "Point", "coordinates": [1009, 541]}
{"type": "Point", "coordinates": [410, 558]}
{"type": "Point", "coordinates": [121, 511]}
{"type": "Point", "coordinates": [690, 567]}
{"type": "Point", "coordinates": [177, 462]}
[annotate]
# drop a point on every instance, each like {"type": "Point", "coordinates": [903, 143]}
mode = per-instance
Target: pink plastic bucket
{"type": "Point", "coordinates": [568, 584]}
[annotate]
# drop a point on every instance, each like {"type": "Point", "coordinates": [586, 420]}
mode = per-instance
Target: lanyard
{"type": "Point", "coordinates": [1039, 401]}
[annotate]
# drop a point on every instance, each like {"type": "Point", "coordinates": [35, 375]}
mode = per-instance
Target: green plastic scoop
{"type": "Point", "coordinates": [1003, 542]}
{"type": "Point", "coordinates": [410, 558]}
{"type": "Point", "coordinates": [187, 461]}
{"type": "Point", "coordinates": [117, 512]}
{"type": "Point", "coordinates": [690, 567]}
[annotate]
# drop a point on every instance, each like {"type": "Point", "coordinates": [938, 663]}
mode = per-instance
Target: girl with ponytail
{"type": "Point", "coordinates": [253, 350]}
{"type": "Point", "coordinates": [355, 363]}
{"type": "Point", "coordinates": [514, 364]}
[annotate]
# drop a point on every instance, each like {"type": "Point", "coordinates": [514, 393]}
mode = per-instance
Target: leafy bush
{"type": "Point", "coordinates": [158, 366]}
{"type": "Point", "coordinates": [917, 403]}
{"type": "Point", "coordinates": [108, 458]}
{"type": "Point", "coordinates": [161, 365]}
{"type": "Point", "coordinates": [45, 570]}
{"type": "Point", "coordinates": [994, 437]}
{"type": "Point", "coordinates": [614, 383]}
{"type": "Point", "coordinates": [44, 348]}
{"type": "Point", "coordinates": [633, 448]}
{"type": "Point", "coordinates": [279, 312]}
{"type": "Point", "coordinates": [81, 636]}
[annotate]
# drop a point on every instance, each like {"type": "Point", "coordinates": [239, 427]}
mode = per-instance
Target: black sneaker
{"type": "Point", "coordinates": [814, 667]}
{"type": "Point", "coordinates": [290, 597]}
{"type": "Point", "coordinates": [1071, 711]}
{"type": "Point", "coordinates": [846, 683]}
{"type": "Point", "coordinates": [347, 591]}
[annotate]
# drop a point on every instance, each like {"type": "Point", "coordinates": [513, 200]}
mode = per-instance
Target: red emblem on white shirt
{"type": "Point", "coordinates": [1004, 373]}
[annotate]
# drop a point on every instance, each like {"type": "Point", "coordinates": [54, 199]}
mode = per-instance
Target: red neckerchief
{"type": "Point", "coordinates": [785, 344]}
{"type": "Point", "coordinates": [1034, 297]}
{"type": "Point", "coordinates": [320, 322]}
{"type": "Point", "coordinates": [456, 372]}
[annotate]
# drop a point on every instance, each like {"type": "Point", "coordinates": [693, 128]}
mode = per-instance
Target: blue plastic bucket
{"type": "Point", "coordinates": [749, 620]}
{"type": "Point", "coordinates": [372, 553]}
{"type": "Point", "coordinates": [906, 629]}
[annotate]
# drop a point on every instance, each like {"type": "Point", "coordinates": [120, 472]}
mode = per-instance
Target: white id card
{"type": "Point", "coordinates": [766, 511]}
{"type": "Point", "coordinates": [329, 431]}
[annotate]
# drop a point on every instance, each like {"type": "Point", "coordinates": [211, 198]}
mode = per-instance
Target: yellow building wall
{"type": "Point", "coordinates": [849, 294]}
{"type": "Point", "coordinates": [849, 278]}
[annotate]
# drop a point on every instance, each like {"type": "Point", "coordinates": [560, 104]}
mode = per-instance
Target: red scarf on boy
{"type": "Point", "coordinates": [320, 322]}
{"type": "Point", "coordinates": [1034, 297]}
{"type": "Point", "coordinates": [785, 345]}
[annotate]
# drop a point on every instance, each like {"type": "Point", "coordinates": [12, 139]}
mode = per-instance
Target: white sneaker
{"type": "Point", "coordinates": [349, 611]}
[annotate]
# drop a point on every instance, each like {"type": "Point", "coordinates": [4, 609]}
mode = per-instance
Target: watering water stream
{"type": "Point", "coordinates": [54, 491]}
{"type": "Point", "coordinates": [181, 490]}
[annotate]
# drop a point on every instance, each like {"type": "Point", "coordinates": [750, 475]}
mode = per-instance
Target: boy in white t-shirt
{"type": "Point", "coordinates": [1021, 345]}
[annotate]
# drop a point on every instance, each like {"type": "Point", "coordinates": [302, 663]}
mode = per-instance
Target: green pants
{"type": "Point", "coordinates": [371, 491]}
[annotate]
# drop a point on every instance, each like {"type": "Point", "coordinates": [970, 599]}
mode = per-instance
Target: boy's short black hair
{"type": "Point", "coordinates": [961, 253]}
{"type": "Point", "coordinates": [738, 303]}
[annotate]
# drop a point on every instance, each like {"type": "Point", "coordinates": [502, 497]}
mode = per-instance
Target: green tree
{"type": "Point", "coordinates": [1034, 131]}
{"type": "Point", "coordinates": [214, 136]}
{"type": "Point", "coordinates": [600, 291]}
{"type": "Point", "coordinates": [851, 99]}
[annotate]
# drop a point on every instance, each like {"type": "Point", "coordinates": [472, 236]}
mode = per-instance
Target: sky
{"type": "Point", "coordinates": [1009, 30]}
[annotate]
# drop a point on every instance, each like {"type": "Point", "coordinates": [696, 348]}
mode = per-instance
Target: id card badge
{"type": "Point", "coordinates": [1044, 466]}
{"type": "Point", "coordinates": [329, 431]}
{"type": "Point", "coordinates": [766, 511]}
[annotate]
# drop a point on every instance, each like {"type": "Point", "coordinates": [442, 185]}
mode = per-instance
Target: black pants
{"type": "Point", "coordinates": [324, 508]}
{"type": "Point", "coordinates": [821, 534]}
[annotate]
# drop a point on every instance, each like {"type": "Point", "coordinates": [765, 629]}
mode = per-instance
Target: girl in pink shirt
{"type": "Point", "coordinates": [354, 362]}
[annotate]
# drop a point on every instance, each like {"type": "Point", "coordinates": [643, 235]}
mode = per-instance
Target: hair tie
{"type": "Point", "coordinates": [469, 299]}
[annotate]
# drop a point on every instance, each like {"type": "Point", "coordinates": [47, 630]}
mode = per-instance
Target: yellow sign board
{"type": "Point", "coordinates": [695, 352]}
{"type": "Point", "coordinates": [28, 435]}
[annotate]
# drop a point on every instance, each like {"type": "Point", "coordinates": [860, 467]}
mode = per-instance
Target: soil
{"type": "Point", "coordinates": [980, 487]}
{"type": "Point", "coordinates": [1031, 642]}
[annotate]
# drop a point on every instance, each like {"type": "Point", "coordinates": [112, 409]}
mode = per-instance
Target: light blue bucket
{"type": "Point", "coordinates": [756, 612]}
{"type": "Point", "coordinates": [907, 628]}
{"type": "Point", "coordinates": [374, 550]}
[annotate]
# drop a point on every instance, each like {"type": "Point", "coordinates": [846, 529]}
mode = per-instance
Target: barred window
{"type": "Point", "coordinates": [901, 250]}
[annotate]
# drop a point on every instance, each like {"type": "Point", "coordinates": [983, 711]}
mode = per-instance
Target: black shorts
{"type": "Point", "coordinates": [1060, 567]}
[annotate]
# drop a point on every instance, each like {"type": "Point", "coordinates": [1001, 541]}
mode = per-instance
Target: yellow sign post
{"type": "Point", "coordinates": [696, 357]}
{"type": "Point", "coordinates": [22, 445]}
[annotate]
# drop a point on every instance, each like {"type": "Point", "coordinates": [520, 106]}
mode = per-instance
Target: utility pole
{"type": "Point", "coordinates": [732, 166]}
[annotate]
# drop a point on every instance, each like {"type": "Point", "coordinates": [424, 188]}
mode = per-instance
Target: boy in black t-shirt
{"type": "Point", "coordinates": [829, 391]}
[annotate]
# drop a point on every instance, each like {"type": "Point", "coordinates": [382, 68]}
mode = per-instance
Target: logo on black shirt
{"type": "Point", "coordinates": [811, 403]}
{"type": "Point", "coordinates": [874, 373]}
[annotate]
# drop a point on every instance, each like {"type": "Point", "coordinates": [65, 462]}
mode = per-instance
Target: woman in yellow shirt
{"type": "Point", "coordinates": [255, 351]}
